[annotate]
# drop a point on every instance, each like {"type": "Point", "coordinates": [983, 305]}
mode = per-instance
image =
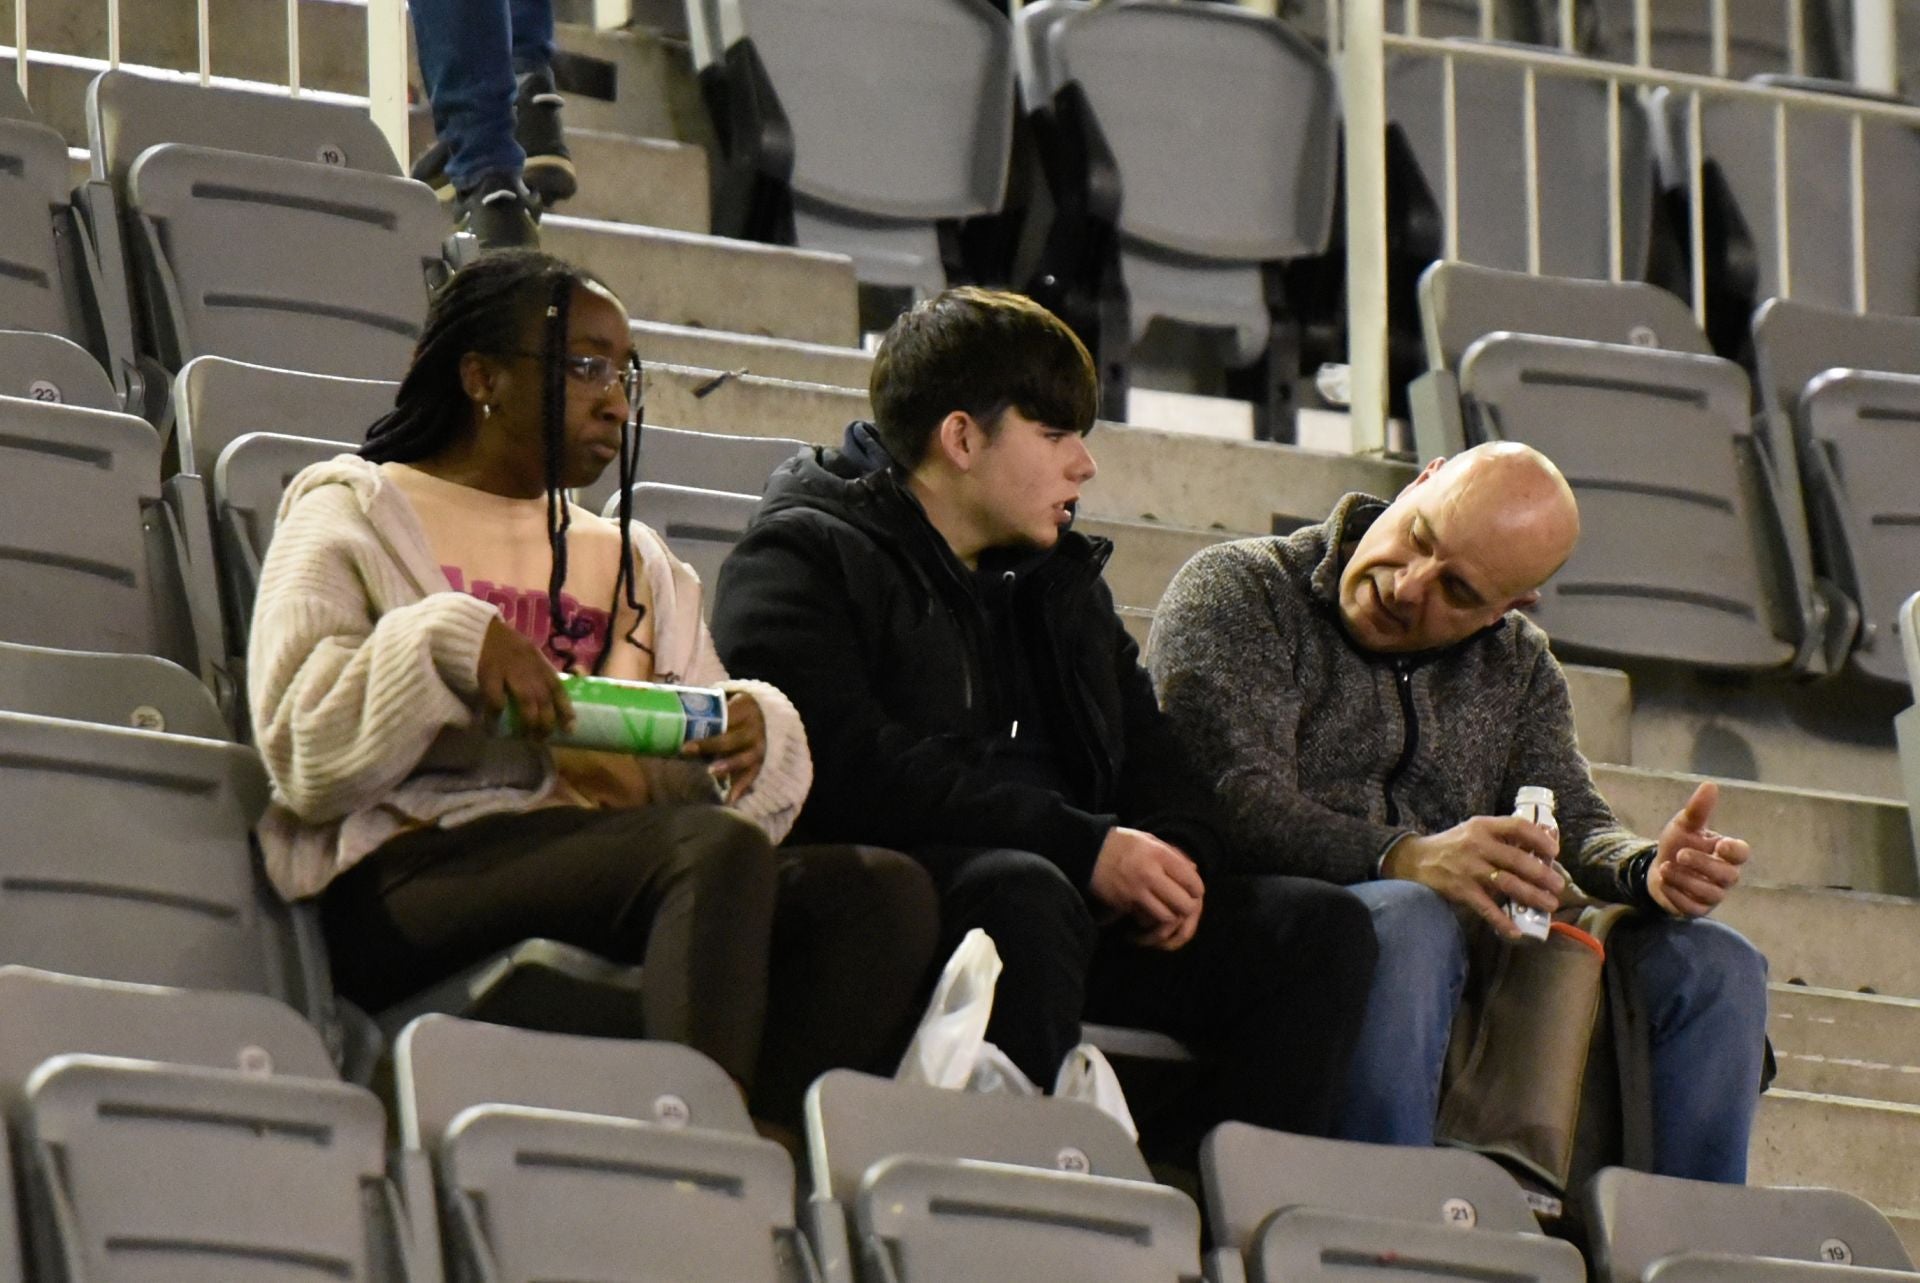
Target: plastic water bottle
{"type": "Point", "coordinates": [1535, 805]}
{"type": "Point", "coordinates": [645, 719]}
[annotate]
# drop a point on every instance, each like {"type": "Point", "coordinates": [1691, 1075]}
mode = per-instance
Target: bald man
{"type": "Point", "coordinates": [1367, 699]}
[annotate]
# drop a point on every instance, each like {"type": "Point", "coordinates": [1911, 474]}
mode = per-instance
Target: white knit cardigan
{"type": "Point", "coordinates": [362, 676]}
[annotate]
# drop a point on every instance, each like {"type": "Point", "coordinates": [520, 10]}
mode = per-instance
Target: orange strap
{"type": "Point", "coordinates": [1578, 936]}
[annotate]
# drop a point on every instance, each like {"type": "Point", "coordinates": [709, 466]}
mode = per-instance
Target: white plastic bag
{"type": "Point", "coordinates": [948, 1047]}
{"type": "Point", "coordinates": [1086, 1076]}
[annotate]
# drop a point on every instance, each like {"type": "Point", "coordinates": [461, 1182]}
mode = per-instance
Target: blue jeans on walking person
{"type": "Point", "coordinates": [1703, 986]}
{"type": "Point", "coordinates": [471, 52]}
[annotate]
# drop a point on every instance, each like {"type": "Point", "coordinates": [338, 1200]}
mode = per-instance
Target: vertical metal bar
{"type": "Point", "coordinates": [1718, 10]}
{"type": "Point", "coordinates": [293, 47]}
{"type": "Point", "coordinates": [113, 33]}
{"type": "Point", "coordinates": [610, 15]}
{"type": "Point", "coordinates": [1450, 124]}
{"type": "Point", "coordinates": [1411, 17]}
{"type": "Point", "coordinates": [1616, 221]}
{"type": "Point", "coordinates": [1876, 45]}
{"type": "Point", "coordinates": [387, 72]}
{"type": "Point", "coordinates": [1366, 108]}
{"type": "Point", "coordinates": [1569, 32]}
{"type": "Point", "coordinates": [20, 44]}
{"type": "Point", "coordinates": [1530, 109]}
{"type": "Point", "coordinates": [206, 42]}
{"type": "Point", "coordinates": [1782, 197]}
{"type": "Point", "coordinates": [1857, 185]}
{"type": "Point", "coordinates": [1797, 37]}
{"type": "Point", "coordinates": [1487, 31]}
{"type": "Point", "coordinates": [1643, 33]}
{"type": "Point", "coordinates": [1696, 208]}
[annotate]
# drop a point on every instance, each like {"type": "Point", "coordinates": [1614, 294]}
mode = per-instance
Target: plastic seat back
{"type": "Point", "coordinates": [142, 691]}
{"type": "Point", "coordinates": [218, 401]}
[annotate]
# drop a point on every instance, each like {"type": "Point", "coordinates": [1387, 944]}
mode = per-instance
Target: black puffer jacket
{"type": "Point", "coordinates": [844, 596]}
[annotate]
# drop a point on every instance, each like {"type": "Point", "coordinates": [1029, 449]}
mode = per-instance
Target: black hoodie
{"type": "Point", "coordinates": [911, 673]}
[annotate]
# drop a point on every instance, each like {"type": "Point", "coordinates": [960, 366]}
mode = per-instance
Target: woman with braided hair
{"type": "Point", "coordinates": [412, 590]}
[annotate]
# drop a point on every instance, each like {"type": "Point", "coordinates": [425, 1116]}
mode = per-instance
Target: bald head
{"type": "Point", "coordinates": [1470, 539]}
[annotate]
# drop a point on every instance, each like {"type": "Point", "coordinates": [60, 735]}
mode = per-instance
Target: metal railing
{"type": "Point", "coordinates": [1362, 49]}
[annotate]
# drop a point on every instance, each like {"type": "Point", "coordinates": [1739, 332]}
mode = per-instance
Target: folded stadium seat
{"type": "Point", "coordinates": [1862, 442]}
{"type": "Point", "coordinates": [46, 1014]}
{"type": "Point", "coordinates": [569, 1157]}
{"type": "Point", "coordinates": [249, 477]}
{"type": "Point", "coordinates": [1191, 152]}
{"type": "Point", "coordinates": [1296, 1208]}
{"type": "Point", "coordinates": [859, 126]}
{"type": "Point", "coordinates": [1793, 343]}
{"type": "Point", "coordinates": [1759, 35]}
{"type": "Point", "coordinates": [129, 857]}
{"type": "Point", "coordinates": [141, 691]}
{"type": "Point", "coordinates": [47, 367]}
{"type": "Point", "coordinates": [286, 1177]}
{"type": "Point", "coordinates": [1640, 1221]}
{"type": "Point", "coordinates": [1906, 723]}
{"type": "Point", "coordinates": [265, 228]}
{"type": "Point", "coordinates": [701, 526]}
{"type": "Point", "coordinates": [1652, 439]}
{"type": "Point", "coordinates": [946, 1186]}
{"type": "Point", "coordinates": [701, 460]}
{"type": "Point", "coordinates": [95, 553]}
{"type": "Point", "coordinates": [1742, 266]}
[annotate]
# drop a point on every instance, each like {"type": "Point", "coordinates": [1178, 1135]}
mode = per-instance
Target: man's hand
{"type": "Point", "coordinates": [510, 665]}
{"type": "Point", "coordinates": [1695, 867]}
{"type": "Point", "coordinates": [736, 756]}
{"type": "Point", "coordinates": [1152, 882]}
{"type": "Point", "coordinates": [1482, 864]}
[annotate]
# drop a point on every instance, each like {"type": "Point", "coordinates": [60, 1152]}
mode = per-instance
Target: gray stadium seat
{"type": "Point", "coordinates": [279, 262]}
{"type": "Point", "coordinates": [129, 858]}
{"type": "Point", "coordinates": [1742, 236]}
{"type": "Point", "coordinates": [46, 1014]}
{"type": "Point", "coordinates": [897, 120]}
{"type": "Point", "coordinates": [47, 367]}
{"type": "Point", "coordinates": [1588, 370]}
{"type": "Point", "coordinates": [1860, 450]}
{"type": "Point", "coordinates": [1297, 1207]}
{"type": "Point", "coordinates": [1639, 1220]}
{"type": "Point", "coordinates": [1906, 723]}
{"type": "Point", "coordinates": [1759, 36]}
{"type": "Point", "coordinates": [1721, 1267]}
{"type": "Point", "coordinates": [217, 401]}
{"type": "Point", "coordinates": [95, 554]}
{"type": "Point", "coordinates": [571, 1157]}
{"type": "Point", "coordinates": [41, 252]}
{"type": "Point", "coordinates": [1153, 101]}
{"type": "Point", "coordinates": [249, 477]}
{"type": "Point", "coordinates": [701, 526]}
{"type": "Point", "coordinates": [946, 1185]}
{"type": "Point", "coordinates": [127, 113]}
{"type": "Point", "coordinates": [283, 1178]}
{"type": "Point", "coordinates": [700, 460]}
{"type": "Point", "coordinates": [1489, 102]}
{"type": "Point", "coordinates": [141, 691]}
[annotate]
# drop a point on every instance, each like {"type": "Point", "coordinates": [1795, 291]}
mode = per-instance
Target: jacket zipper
{"type": "Point", "coordinates": [1403, 680]}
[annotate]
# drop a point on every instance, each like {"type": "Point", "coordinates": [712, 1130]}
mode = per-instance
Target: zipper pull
{"type": "Point", "coordinates": [1014, 733]}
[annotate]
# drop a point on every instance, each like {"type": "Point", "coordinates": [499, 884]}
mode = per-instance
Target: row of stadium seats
{"type": "Point", "coordinates": [1132, 106]}
{"type": "Point", "coordinates": [524, 1155]}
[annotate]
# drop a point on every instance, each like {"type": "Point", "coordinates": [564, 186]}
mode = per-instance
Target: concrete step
{"type": "Point", "coordinates": [681, 396]}
{"type": "Point", "coordinates": [648, 181]}
{"type": "Point", "coordinates": [687, 279]}
{"type": "Point", "coordinates": [843, 367]}
{"type": "Point", "coordinates": [1602, 712]}
{"type": "Point", "coordinates": [1846, 1044]}
{"type": "Point", "coordinates": [1146, 555]}
{"type": "Point", "coordinates": [1867, 1148]}
{"type": "Point", "coordinates": [1800, 837]}
{"type": "Point", "coordinates": [655, 92]}
{"type": "Point", "coordinates": [1831, 939]}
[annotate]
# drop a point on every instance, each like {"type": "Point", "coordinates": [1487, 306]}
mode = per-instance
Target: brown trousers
{"type": "Point", "coordinates": [777, 964]}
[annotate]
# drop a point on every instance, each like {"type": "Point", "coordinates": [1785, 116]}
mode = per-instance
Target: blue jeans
{"type": "Point", "coordinates": [1703, 986]}
{"type": "Point", "coordinates": [470, 53]}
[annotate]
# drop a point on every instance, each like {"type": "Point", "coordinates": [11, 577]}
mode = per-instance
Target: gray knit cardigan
{"type": "Point", "coordinates": [1323, 754]}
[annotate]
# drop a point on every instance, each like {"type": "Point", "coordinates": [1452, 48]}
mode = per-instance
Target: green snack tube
{"type": "Point", "coordinates": [645, 719]}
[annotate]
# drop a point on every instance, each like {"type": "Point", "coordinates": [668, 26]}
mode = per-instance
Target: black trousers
{"type": "Point", "coordinates": [1269, 993]}
{"type": "Point", "coordinates": [777, 964]}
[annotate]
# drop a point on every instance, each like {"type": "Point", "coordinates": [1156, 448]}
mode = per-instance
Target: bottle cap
{"type": "Point", "coordinates": [1534, 795]}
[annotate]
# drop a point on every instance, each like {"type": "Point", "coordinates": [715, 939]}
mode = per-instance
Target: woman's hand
{"type": "Point", "coordinates": [735, 757]}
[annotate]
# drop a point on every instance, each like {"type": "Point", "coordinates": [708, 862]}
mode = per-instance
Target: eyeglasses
{"type": "Point", "coordinates": [600, 373]}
